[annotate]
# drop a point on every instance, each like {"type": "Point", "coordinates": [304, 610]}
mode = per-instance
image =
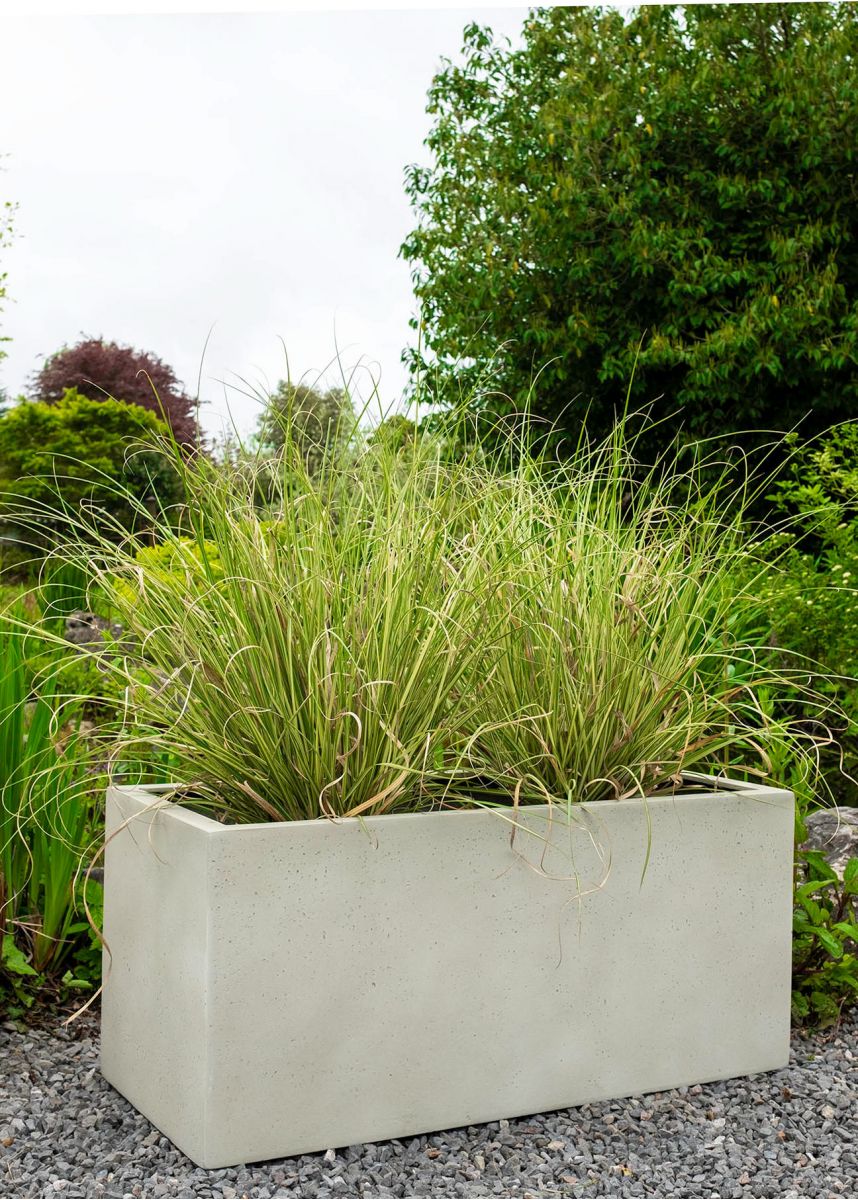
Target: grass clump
{"type": "Point", "coordinates": [405, 628]}
{"type": "Point", "coordinates": [311, 657]}
{"type": "Point", "coordinates": [626, 655]}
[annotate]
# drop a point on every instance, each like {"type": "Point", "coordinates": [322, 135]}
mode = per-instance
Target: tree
{"type": "Point", "coordinates": [665, 200]}
{"type": "Point", "coordinates": [74, 452]}
{"type": "Point", "coordinates": [320, 421]}
{"type": "Point", "coordinates": [7, 213]}
{"type": "Point", "coordinates": [100, 369]}
{"type": "Point", "coordinates": [396, 431]}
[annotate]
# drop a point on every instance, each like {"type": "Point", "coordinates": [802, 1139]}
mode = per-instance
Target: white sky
{"type": "Point", "coordinates": [242, 171]}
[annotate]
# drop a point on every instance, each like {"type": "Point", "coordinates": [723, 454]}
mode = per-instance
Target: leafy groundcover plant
{"type": "Point", "coordinates": [825, 937]}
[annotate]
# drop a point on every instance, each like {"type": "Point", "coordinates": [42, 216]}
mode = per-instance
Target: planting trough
{"type": "Point", "coordinates": [282, 988]}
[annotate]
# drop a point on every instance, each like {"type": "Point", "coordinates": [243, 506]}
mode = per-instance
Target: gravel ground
{"type": "Point", "coordinates": [65, 1132]}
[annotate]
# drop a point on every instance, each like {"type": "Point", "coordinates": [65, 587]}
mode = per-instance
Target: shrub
{"type": "Point", "coordinates": [100, 370]}
{"type": "Point", "coordinates": [63, 589]}
{"type": "Point", "coordinates": [397, 429]}
{"type": "Point", "coordinates": [807, 603]}
{"type": "Point", "coordinates": [809, 595]}
{"type": "Point", "coordinates": [58, 458]}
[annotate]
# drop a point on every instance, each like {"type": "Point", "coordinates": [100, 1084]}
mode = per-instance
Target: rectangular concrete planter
{"type": "Point", "coordinates": [277, 989]}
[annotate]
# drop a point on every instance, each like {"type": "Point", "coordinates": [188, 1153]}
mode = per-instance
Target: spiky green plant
{"type": "Point", "coordinates": [312, 659]}
{"type": "Point", "coordinates": [46, 813]}
{"type": "Point", "coordinates": [405, 628]}
{"type": "Point", "coordinates": [629, 646]}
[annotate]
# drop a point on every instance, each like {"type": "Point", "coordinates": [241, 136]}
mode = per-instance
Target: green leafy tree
{"type": "Point", "coordinates": [7, 213]}
{"type": "Point", "coordinates": [396, 431]}
{"type": "Point", "coordinates": [100, 369]}
{"type": "Point", "coordinates": [75, 452]}
{"type": "Point", "coordinates": [320, 422]}
{"type": "Point", "coordinates": [666, 198]}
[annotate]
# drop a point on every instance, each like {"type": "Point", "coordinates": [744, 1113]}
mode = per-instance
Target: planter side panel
{"type": "Point", "coordinates": [416, 973]}
{"type": "Point", "coordinates": [154, 1005]}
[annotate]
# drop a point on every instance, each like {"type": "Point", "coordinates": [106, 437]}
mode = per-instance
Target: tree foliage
{"type": "Point", "coordinates": [396, 431]}
{"type": "Point", "coordinates": [318, 421]}
{"type": "Point", "coordinates": [667, 197]}
{"type": "Point", "coordinates": [7, 213]}
{"type": "Point", "coordinates": [99, 369]}
{"type": "Point", "coordinates": [75, 452]}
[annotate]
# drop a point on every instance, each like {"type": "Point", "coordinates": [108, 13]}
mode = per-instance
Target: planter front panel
{"type": "Point", "coordinates": [349, 982]}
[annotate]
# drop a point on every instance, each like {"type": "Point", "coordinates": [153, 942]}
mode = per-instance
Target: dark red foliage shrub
{"type": "Point", "coordinates": [99, 369]}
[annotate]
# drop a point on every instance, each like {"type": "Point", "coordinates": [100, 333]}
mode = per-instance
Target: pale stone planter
{"type": "Point", "coordinates": [276, 989]}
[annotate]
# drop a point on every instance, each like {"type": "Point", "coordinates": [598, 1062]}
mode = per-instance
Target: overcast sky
{"type": "Point", "coordinates": [246, 172]}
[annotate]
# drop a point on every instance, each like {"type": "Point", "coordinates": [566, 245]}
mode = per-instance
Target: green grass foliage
{"type": "Point", "coordinates": [399, 630]}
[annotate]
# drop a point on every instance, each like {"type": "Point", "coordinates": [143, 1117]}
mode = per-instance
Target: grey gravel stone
{"type": "Point", "coordinates": [792, 1133]}
{"type": "Point", "coordinates": [88, 631]}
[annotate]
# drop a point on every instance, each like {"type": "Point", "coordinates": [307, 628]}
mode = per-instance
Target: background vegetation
{"type": "Point", "coordinates": [654, 210]}
{"type": "Point", "coordinates": [320, 421]}
{"type": "Point", "coordinates": [77, 452]}
{"type": "Point", "coordinates": [665, 202]}
{"type": "Point", "coordinates": [100, 370]}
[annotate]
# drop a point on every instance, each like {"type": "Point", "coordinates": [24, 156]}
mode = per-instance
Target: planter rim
{"type": "Point", "coordinates": [719, 785]}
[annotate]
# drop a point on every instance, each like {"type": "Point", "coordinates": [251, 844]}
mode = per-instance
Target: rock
{"type": "Point", "coordinates": [54, 1083]}
{"type": "Point", "coordinates": [88, 631]}
{"type": "Point", "coordinates": [834, 831]}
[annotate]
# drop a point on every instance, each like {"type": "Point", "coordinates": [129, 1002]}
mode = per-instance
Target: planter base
{"type": "Point", "coordinates": [281, 989]}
